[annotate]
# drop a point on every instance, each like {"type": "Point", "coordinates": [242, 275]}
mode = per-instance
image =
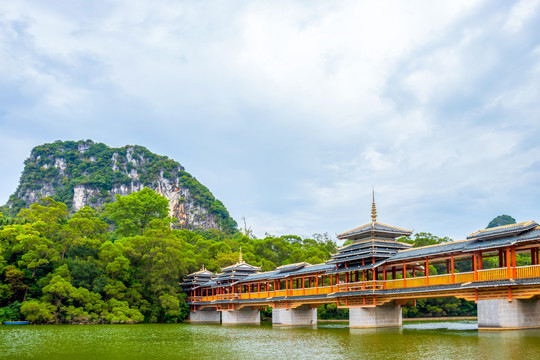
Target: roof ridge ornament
{"type": "Point", "coordinates": [240, 260]}
{"type": "Point", "coordinates": [373, 208]}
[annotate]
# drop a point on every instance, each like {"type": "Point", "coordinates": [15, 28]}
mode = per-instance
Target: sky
{"type": "Point", "coordinates": [290, 112]}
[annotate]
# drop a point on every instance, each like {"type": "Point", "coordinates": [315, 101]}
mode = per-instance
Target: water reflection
{"type": "Point", "coordinates": [447, 325]}
{"type": "Point", "coordinates": [426, 340]}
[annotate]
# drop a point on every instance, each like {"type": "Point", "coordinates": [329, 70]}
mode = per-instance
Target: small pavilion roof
{"type": "Point", "coordinates": [239, 266]}
{"type": "Point", "coordinates": [235, 272]}
{"type": "Point", "coordinates": [201, 273]}
{"type": "Point", "coordinates": [197, 278]}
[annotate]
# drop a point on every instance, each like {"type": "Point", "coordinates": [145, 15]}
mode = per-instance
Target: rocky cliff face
{"type": "Point", "coordinates": [85, 173]}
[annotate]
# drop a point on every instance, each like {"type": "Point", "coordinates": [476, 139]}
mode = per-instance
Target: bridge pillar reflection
{"type": "Point", "coordinates": [386, 315]}
{"type": "Point", "coordinates": [205, 316]}
{"type": "Point", "coordinates": [244, 316]}
{"type": "Point", "coordinates": [501, 314]}
{"type": "Point", "coordinates": [303, 315]}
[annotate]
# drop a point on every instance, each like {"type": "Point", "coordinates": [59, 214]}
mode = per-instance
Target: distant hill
{"type": "Point", "coordinates": [501, 220]}
{"type": "Point", "coordinates": [84, 173]}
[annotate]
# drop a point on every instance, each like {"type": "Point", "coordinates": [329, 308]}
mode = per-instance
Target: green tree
{"type": "Point", "coordinates": [32, 250]}
{"type": "Point", "coordinates": [14, 287]}
{"type": "Point", "coordinates": [10, 312]}
{"type": "Point", "coordinates": [48, 215]}
{"type": "Point", "coordinates": [38, 312]}
{"type": "Point", "coordinates": [131, 214]}
{"type": "Point", "coordinates": [119, 312]}
{"type": "Point", "coordinates": [85, 229]}
{"type": "Point", "coordinates": [113, 261]}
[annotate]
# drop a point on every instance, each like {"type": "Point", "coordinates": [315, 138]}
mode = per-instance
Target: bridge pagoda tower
{"type": "Point", "coordinates": [372, 244]}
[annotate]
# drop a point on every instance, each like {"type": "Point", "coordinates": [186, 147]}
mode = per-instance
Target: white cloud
{"type": "Point", "coordinates": [302, 105]}
{"type": "Point", "coordinates": [523, 11]}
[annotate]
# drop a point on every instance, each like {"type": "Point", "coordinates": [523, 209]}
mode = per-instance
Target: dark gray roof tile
{"type": "Point", "coordinates": [503, 231]}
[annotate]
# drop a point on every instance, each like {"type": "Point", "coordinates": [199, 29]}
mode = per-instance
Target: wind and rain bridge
{"type": "Point", "coordinates": [375, 275]}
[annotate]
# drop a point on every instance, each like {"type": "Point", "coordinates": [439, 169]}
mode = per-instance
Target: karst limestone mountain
{"type": "Point", "coordinates": [84, 173]}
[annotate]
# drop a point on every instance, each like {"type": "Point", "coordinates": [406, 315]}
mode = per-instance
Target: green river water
{"type": "Point", "coordinates": [417, 340]}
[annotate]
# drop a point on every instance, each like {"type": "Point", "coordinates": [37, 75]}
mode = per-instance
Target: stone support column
{"type": "Point", "coordinates": [205, 316]}
{"type": "Point", "coordinates": [245, 315]}
{"type": "Point", "coordinates": [386, 315]}
{"type": "Point", "coordinates": [500, 314]}
{"type": "Point", "coordinates": [300, 316]}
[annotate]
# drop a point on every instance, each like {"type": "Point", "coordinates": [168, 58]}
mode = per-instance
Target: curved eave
{"type": "Point", "coordinates": [375, 227]}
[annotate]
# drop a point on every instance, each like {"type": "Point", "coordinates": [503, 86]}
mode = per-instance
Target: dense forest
{"type": "Point", "coordinates": [123, 263]}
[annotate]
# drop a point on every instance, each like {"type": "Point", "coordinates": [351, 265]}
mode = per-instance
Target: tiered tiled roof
{"type": "Point", "coordinates": [235, 273]}
{"type": "Point", "coordinates": [372, 243]}
{"type": "Point", "coordinates": [367, 250]}
{"type": "Point", "coordinates": [226, 277]}
{"type": "Point", "coordinates": [197, 279]}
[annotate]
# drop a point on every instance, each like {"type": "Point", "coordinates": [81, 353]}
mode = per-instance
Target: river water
{"type": "Point", "coordinates": [417, 340]}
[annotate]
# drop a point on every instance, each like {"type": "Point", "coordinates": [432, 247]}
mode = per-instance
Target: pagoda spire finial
{"type": "Point", "coordinates": [240, 260]}
{"type": "Point", "coordinates": [373, 208]}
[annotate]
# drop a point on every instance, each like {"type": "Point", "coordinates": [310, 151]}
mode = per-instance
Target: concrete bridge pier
{"type": "Point", "coordinates": [246, 315]}
{"type": "Point", "coordinates": [204, 316]}
{"type": "Point", "coordinates": [386, 315]}
{"type": "Point", "coordinates": [501, 314]}
{"type": "Point", "coordinates": [303, 315]}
